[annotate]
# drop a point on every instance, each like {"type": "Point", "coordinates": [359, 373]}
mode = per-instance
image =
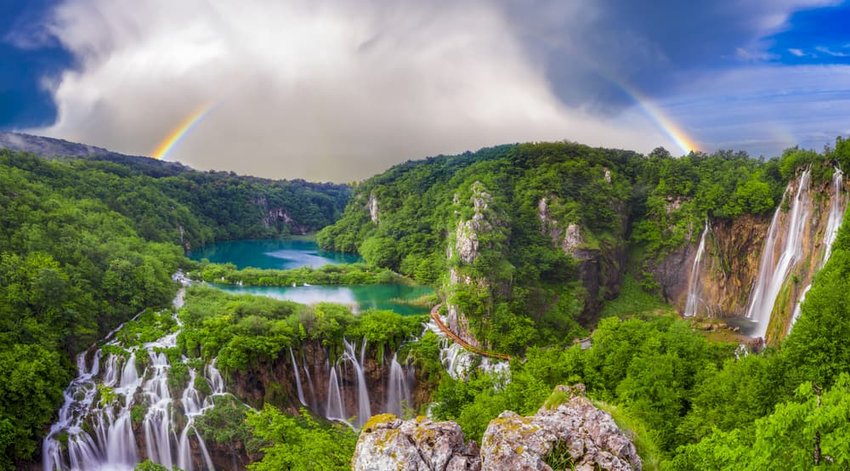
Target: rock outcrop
{"type": "Point", "coordinates": [388, 443]}
{"type": "Point", "coordinates": [600, 267]}
{"type": "Point", "coordinates": [730, 265]}
{"type": "Point", "coordinates": [372, 206]}
{"type": "Point", "coordinates": [571, 425]}
{"type": "Point", "coordinates": [589, 435]}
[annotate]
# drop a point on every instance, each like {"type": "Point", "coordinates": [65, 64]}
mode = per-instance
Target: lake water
{"type": "Point", "coordinates": [358, 297]}
{"type": "Point", "coordinates": [285, 255]}
{"type": "Point", "coordinates": [275, 254]}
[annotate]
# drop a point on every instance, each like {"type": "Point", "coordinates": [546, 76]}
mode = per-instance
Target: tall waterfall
{"type": "Point", "coordinates": [297, 378]}
{"type": "Point", "coordinates": [774, 271]}
{"type": "Point", "coordinates": [692, 303]}
{"type": "Point", "coordinates": [398, 389]}
{"type": "Point", "coordinates": [347, 379]}
{"type": "Point", "coordinates": [837, 206]}
{"type": "Point", "coordinates": [100, 436]}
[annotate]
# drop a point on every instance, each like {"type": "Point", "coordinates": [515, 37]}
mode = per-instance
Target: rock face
{"type": "Point", "coordinates": [589, 436]}
{"type": "Point", "coordinates": [600, 269]}
{"type": "Point", "coordinates": [467, 246]}
{"type": "Point", "coordinates": [372, 206]}
{"type": "Point", "coordinates": [729, 267]}
{"type": "Point", "coordinates": [388, 443]}
{"type": "Point", "coordinates": [512, 442]}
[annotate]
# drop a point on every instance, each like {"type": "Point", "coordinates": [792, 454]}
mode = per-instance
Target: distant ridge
{"type": "Point", "coordinates": [49, 147]}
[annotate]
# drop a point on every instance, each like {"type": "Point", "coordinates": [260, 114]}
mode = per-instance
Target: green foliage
{"type": "Point", "coordinates": [559, 458]}
{"type": "Point", "coordinates": [648, 367]}
{"type": "Point", "coordinates": [300, 442]}
{"type": "Point", "coordinates": [632, 299]}
{"type": "Point", "coordinates": [244, 331]}
{"type": "Point", "coordinates": [148, 465]}
{"type": "Point", "coordinates": [812, 427]}
{"type": "Point", "coordinates": [225, 423]}
{"type": "Point", "coordinates": [524, 289]}
{"type": "Point", "coordinates": [331, 274]}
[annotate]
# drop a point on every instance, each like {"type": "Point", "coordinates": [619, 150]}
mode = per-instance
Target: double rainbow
{"type": "Point", "coordinates": [177, 134]}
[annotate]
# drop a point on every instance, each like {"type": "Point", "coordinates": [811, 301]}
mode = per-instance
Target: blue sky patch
{"type": "Point", "coordinates": [818, 36]}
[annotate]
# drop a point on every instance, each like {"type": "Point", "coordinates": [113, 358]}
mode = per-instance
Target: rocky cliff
{"type": "Point", "coordinates": [755, 270]}
{"type": "Point", "coordinates": [568, 430]}
{"type": "Point", "coordinates": [728, 269]}
{"type": "Point", "coordinates": [601, 263]}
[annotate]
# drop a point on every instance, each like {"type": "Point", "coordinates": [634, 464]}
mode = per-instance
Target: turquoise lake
{"type": "Point", "coordinates": [285, 255]}
{"type": "Point", "coordinates": [275, 254]}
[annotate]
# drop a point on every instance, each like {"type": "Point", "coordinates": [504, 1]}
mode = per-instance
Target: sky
{"type": "Point", "coordinates": [338, 90]}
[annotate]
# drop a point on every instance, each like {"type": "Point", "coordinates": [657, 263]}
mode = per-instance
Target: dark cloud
{"type": "Point", "coordinates": [591, 48]}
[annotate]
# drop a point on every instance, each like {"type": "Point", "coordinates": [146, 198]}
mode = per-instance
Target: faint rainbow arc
{"type": "Point", "coordinates": [177, 134]}
{"type": "Point", "coordinates": [664, 122]}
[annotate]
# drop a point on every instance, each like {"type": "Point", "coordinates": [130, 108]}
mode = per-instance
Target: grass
{"type": "Point", "coordinates": [649, 452]}
{"type": "Point", "coordinates": [633, 300]}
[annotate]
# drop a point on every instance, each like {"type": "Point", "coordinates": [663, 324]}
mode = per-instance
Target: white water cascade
{"type": "Point", "coordinates": [398, 389]}
{"type": "Point", "coordinates": [837, 206]}
{"type": "Point", "coordinates": [774, 271]}
{"type": "Point", "coordinates": [335, 409]}
{"type": "Point", "coordinates": [692, 303]}
{"type": "Point", "coordinates": [458, 361]}
{"type": "Point", "coordinates": [92, 435]}
{"type": "Point", "coordinates": [347, 378]}
{"type": "Point", "coordinates": [297, 378]}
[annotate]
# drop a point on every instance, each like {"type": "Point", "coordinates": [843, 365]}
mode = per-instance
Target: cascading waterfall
{"type": "Point", "coordinates": [335, 409]}
{"type": "Point", "coordinates": [773, 272]}
{"type": "Point", "coordinates": [398, 389]}
{"type": "Point", "coordinates": [297, 378]}
{"type": "Point", "coordinates": [837, 206]}
{"type": "Point", "coordinates": [348, 375]}
{"type": "Point", "coordinates": [458, 361]}
{"type": "Point", "coordinates": [693, 283]}
{"type": "Point", "coordinates": [100, 436]}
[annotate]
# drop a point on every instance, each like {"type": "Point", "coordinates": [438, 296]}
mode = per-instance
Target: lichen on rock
{"type": "Point", "coordinates": [590, 436]}
{"type": "Point", "coordinates": [388, 443]}
{"type": "Point", "coordinates": [567, 423]}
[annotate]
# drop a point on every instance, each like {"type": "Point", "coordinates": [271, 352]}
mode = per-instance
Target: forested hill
{"type": "Point", "coordinates": [86, 244]}
{"type": "Point", "coordinates": [529, 240]}
{"type": "Point", "coordinates": [230, 206]}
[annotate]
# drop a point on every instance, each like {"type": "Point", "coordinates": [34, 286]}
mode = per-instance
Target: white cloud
{"type": "Point", "coordinates": [796, 52]}
{"type": "Point", "coordinates": [316, 89]}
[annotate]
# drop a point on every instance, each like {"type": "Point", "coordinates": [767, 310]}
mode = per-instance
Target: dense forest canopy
{"type": "Point", "coordinates": [621, 207]}
{"type": "Point", "coordinates": [86, 244]}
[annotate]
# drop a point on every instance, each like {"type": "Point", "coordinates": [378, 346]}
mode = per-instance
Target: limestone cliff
{"type": "Point", "coordinates": [570, 427]}
{"type": "Point", "coordinates": [756, 269]}
{"type": "Point", "coordinates": [600, 262]}
{"type": "Point", "coordinates": [729, 266]}
{"type": "Point", "coordinates": [464, 248]}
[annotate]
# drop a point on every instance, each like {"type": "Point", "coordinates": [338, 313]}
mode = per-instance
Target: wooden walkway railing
{"type": "Point", "coordinates": [435, 314]}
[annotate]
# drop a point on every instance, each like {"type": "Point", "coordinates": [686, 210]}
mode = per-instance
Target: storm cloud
{"type": "Point", "coordinates": [339, 90]}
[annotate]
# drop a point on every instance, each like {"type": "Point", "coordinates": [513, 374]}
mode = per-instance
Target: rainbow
{"type": "Point", "coordinates": [654, 112]}
{"type": "Point", "coordinates": [177, 134]}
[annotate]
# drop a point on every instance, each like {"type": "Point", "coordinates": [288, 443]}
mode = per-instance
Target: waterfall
{"type": "Point", "coordinates": [837, 206]}
{"type": "Point", "coordinates": [335, 409]}
{"type": "Point", "coordinates": [458, 361]}
{"type": "Point", "coordinates": [99, 434]}
{"type": "Point", "coordinates": [772, 272]}
{"type": "Point", "coordinates": [693, 283]}
{"type": "Point", "coordinates": [398, 389]}
{"type": "Point", "coordinates": [364, 410]}
{"type": "Point", "coordinates": [297, 378]}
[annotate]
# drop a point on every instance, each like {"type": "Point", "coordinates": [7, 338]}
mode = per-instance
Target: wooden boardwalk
{"type": "Point", "coordinates": [435, 314]}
